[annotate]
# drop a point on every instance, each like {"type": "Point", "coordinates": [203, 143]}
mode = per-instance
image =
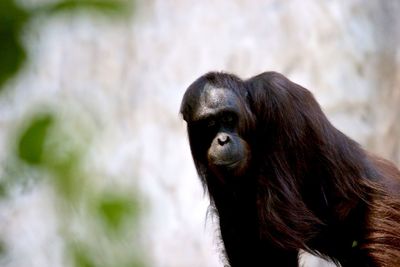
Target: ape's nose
{"type": "Point", "coordinates": [223, 139]}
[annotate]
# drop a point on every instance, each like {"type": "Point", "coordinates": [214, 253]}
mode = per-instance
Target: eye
{"type": "Point", "coordinates": [228, 118]}
{"type": "Point", "coordinates": [211, 123]}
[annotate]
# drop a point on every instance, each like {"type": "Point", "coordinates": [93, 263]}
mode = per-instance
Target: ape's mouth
{"type": "Point", "coordinates": [227, 164]}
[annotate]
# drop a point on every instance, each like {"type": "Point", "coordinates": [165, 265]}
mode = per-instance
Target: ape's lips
{"type": "Point", "coordinates": [227, 164]}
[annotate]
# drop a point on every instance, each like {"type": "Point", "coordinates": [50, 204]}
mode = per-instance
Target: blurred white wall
{"type": "Point", "coordinates": [130, 76]}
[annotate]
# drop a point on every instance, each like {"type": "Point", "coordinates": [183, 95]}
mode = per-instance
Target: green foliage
{"type": "Point", "coordinates": [81, 258]}
{"type": "Point", "coordinates": [31, 142]}
{"type": "Point", "coordinates": [44, 150]}
{"type": "Point", "coordinates": [12, 53]}
{"type": "Point", "coordinates": [14, 19]}
{"type": "Point", "coordinates": [109, 7]}
{"type": "Point", "coordinates": [67, 179]}
{"type": "Point", "coordinates": [47, 146]}
{"type": "Point", "coordinates": [3, 191]}
{"type": "Point", "coordinates": [115, 209]}
{"type": "Point", "coordinates": [2, 249]}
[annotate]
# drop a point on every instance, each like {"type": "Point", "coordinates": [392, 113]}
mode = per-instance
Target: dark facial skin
{"type": "Point", "coordinates": [214, 122]}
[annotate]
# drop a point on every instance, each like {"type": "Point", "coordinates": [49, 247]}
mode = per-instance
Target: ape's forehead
{"type": "Point", "coordinates": [213, 100]}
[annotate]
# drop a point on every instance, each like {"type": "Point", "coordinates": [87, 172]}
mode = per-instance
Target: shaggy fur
{"type": "Point", "coordinates": [306, 186]}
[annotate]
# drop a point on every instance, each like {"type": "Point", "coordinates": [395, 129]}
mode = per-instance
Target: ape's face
{"type": "Point", "coordinates": [213, 120]}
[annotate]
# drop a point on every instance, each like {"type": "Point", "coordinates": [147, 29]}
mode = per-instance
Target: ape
{"type": "Point", "coordinates": [282, 178]}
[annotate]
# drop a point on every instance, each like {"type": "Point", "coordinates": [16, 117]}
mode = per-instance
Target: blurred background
{"type": "Point", "coordinates": [95, 164]}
